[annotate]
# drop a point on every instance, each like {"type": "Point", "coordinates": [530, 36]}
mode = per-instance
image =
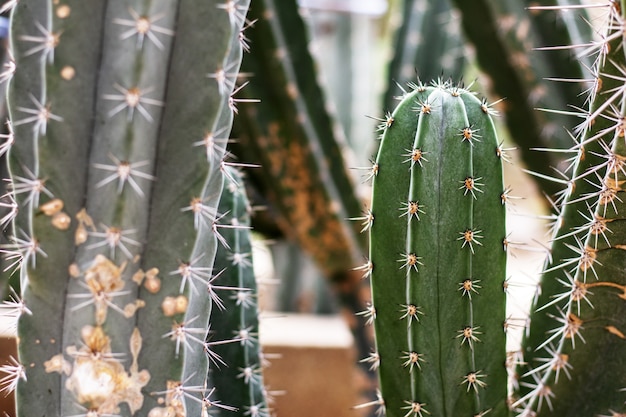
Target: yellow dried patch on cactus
{"type": "Point", "coordinates": [174, 305]}
{"type": "Point", "coordinates": [104, 281]}
{"type": "Point", "coordinates": [131, 308]}
{"type": "Point", "coordinates": [74, 270]}
{"type": "Point", "coordinates": [58, 364]}
{"type": "Point", "coordinates": [52, 207]}
{"type": "Point", "coordinates": [168, 306]}
{"type": "Point", "coordinates": [68, 73]}
{"type": "Point", "coordinates": [61, 221]}
{"type": "Point", "coordinates": [152, 282]}
{"type": "Point", "coordinates": [84, 221]}
{"type": "Point", "coordinates": [98, 379]}
{"type": "Point", "coordinates": [63, 11]}
{"type": "Point", "coordinates": [181, 304]}
{"type": "Point", "coordinates": [104, 275]}
{"type": "Point", "coordinates": [174, 406]}
{"type": "Point", "coordinates": [162, 412]}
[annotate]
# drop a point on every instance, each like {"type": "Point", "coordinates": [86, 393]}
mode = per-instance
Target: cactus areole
{"type": "Point", "coordinates": [438, 257]}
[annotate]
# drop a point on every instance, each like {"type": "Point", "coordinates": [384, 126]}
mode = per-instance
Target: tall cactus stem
{"type": "Point", "coordinates": [438, 263]}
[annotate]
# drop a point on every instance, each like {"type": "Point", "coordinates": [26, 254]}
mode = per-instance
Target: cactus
{"type": "Point", "coordinates": [116, 110]}
{"type": "Point", "coordinates": [437, 261]}
{"type": "Point", "coordinates": [503, 34]}
{"type": "Point", "coordinates": [238, 378]}
{"type": "Point", "coordinates": [575, 347]}
{"type": "Point", "coordinates": [429, 42]}
{"type": "Point", "coordinates": [304, 178]}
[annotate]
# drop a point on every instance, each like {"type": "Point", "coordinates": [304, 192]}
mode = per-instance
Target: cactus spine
{"type": "Point", "coordinates": [574, 352]}
{"type": "Point", "coordinates": [437, 261]}
{"type": "Point", "coordinates": [117, 109]}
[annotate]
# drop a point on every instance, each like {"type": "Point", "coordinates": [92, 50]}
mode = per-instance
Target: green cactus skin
{"type": "Point", "coordinates": [436, 141]}
{"type": "Point", "coordinates": [111, 106]}
{"type": "Point", "coordinates": [429, 42]}
{"type": "Point", "coordinates": [574, 351]}
{"type": "Point", "coordinates": [503, 33]}
{"type": "Point", "coordinates": [240, 383]}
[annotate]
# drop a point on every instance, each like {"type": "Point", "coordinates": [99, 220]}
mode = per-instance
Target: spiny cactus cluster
{"type": "Point", "coordinates": [118, 114]}
{"type": "Point", "coordinates": [437, 261]}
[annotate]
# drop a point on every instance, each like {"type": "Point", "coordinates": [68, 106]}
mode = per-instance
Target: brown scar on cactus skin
{"type": "Point", "coordinates": [614, 330]}
{"type": "Point", "coordinates": [622, 288]}
{"type": "Point", "coordinates": [311, 216]}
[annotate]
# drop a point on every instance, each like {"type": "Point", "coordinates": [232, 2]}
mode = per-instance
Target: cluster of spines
{"type": "Point", "coordinates": [101, 205]}
{"type": "Point", "coordinates": [238, 377]}
{"type": "Point", "coordinates": [576, 326]}
{"type": "Point", "coordinates": [411, 247]}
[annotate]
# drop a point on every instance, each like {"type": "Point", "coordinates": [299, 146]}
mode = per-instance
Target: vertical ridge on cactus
{"type": "Point", "coordinates": [438, 266]}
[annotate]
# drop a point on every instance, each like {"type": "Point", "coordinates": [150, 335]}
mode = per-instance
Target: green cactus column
{"type": "Point", "coordinates": [575, 349]}
{"type": "Point", "coordinates": [437, 257]}
{"type": "Point", "coordinates": [115, 107]}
